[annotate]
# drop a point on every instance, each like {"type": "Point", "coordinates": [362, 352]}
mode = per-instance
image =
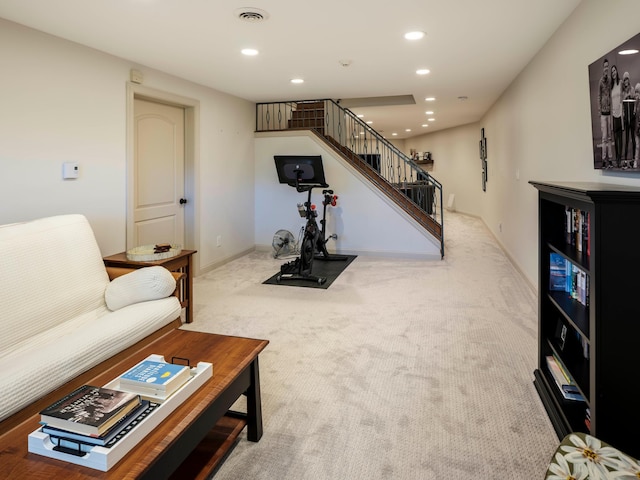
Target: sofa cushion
{"type": "Point", "coordinates": [51, 271]}
{"type": "Point", "coordinates": [149, 283]}
{"type": "Point", "coordinates": [57, 355]}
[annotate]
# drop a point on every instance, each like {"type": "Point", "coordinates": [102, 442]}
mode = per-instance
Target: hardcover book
{"type": "Point", "coordinates": [90, 410]}
{"type": "Point", "coordinates": [118, 430]}
{"type": "Point", "coordinates": [155, 375]}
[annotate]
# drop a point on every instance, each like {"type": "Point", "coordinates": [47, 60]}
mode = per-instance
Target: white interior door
{"type": "Point", "coordinates": [158, 214]}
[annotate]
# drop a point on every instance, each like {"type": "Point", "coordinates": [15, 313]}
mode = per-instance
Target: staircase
{"type": "Point", "coordinates": [402, 196]}
{"type": "Point", "coordinates": [375, 158]}
{"type": "Point", "coordinates": [308, 115]}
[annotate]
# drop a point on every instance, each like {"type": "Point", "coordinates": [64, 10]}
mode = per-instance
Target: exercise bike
{"type": "Point", "coordinates": [305, 174]}
{"type": "Point", "coordinates": [301, 268]}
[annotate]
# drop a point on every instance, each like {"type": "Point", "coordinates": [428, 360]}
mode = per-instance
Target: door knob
{"type": "Point", "coordinates": [183, 201]}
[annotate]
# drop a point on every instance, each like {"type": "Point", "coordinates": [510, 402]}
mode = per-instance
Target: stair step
{"type": "Point", "coordinates": [310, 105]}
{"type": "Point", "coordinates": [300, 114]}
{"type": "Point", "coordinates": [306, 123]}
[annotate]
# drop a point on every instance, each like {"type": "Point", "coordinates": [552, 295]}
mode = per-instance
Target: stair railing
{"type": "Point", "coordinates": [384, 161]}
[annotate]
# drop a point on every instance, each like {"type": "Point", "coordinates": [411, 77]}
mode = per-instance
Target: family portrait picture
{"type": "Point", "coordinates": [614, 86]}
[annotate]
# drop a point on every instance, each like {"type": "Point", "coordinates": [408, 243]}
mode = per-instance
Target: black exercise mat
{"type": "Point", "coordinates": [330, 269]}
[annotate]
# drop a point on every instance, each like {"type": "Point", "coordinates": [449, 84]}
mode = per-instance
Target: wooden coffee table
{"type": "Point", "coordinates": [192, 442]}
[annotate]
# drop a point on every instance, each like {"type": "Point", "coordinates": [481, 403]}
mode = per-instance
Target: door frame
{"type": "Point", "coordinates": [191, 161]}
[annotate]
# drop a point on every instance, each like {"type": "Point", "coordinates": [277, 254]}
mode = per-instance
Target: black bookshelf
{"type": "Point", "coordinates": [596, 341]}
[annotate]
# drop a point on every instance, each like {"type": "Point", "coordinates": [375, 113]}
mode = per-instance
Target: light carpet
{"type": "Point", "coordinates": [403, 369]}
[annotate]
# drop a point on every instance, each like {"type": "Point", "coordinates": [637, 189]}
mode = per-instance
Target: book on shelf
{"type": "Point", "coordinates": [577, 229]}
{"type": "Point", "coordinates": [577, 226]}
{"type": "Point", "coordinates": [67, 439]}
{"type": "Point", "coordinates": [585, 347]}
{"type": "Point", "coordinates": [561, 334]}
{"type": "Point", "coordinates": [557, 272]}
{"type": "Point", "coordinates": [580, 282]}
{"type": "Point", "coordinates": [89, 410]}
{"type": "Point", "coordinates": [154, 379]}
{"type": "Point", "coordinates": [563, 380]}
{"type": "Point", "coordinates": [565, 276]}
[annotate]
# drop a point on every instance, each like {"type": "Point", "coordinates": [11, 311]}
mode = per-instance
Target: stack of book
{"type": "Point", "coordinates": [563, 380]}
{"type": "Point", "coordinates": [564, 276]}
{"type": "Point", "coordinates": [91, 416]}
{"type": "Point", "coordinates": [154, 380]}
{"type": "Point", "coordinates": [100, 416]}
{"type": "Point", "coordinates": [105, 447]}
{"type": "Point", "coordinates": [577, 227]}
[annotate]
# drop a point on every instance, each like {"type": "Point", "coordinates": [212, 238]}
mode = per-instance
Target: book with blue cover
{"type": "Point", "coordinates": [557, 272]}
{"type": "Point", "coordinates": [156, 376]}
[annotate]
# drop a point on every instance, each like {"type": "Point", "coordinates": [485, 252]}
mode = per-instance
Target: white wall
{"type": "Point", "coordinates": [364, 220]}
{"type": "Point", "coordinates": [456, 165]}
{"type": "Point", "coordinates": [65, 102]}
{"type": "Point", "coordinates": [540, 128]}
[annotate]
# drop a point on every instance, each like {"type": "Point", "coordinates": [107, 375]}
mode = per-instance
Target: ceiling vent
{"type": "Point", "coordinates": [250, 14]}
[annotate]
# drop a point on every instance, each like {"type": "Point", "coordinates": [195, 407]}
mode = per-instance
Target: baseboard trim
{"type": "Point", "coordinates": [371, 253]}
{"type": "Point", "coordinates": [224, 261]}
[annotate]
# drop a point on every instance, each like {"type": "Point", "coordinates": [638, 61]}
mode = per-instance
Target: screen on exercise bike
{"type": "Point", "coordinates": [306, 169]}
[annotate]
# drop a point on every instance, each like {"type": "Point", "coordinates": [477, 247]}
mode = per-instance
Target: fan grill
{"type": "Point", "coordinates": [283, 243]}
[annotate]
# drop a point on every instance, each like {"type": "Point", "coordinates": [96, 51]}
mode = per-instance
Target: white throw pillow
{"type": "Point", "coordinates": [148, 283]}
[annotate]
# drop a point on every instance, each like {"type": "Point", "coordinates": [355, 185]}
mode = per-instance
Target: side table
{"type": "Point", "coordinates": [183, 263]}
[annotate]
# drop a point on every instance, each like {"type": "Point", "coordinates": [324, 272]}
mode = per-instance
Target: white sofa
{"type": "Point", "coordinates": [61, 314]}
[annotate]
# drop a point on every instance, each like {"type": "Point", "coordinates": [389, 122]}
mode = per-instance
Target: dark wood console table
{"type": "Point", "coordinates": [183, 263]}
{"type": "Point", "coordinates": [191, 442]}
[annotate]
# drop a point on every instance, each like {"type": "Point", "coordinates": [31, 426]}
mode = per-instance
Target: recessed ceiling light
{"type": "Point", "coordinates": [414, 35]}
{"type": "Point", "coordinates": [429, 112]}
{"type": "Point", "coordinates": [422, 71]}
{"type": "Point", "coordinates": [360, 115]}
{"type": "Point", "coordinates": [394, 134]}
{"type": "Point", "coordinates": [430, 99]}
{"type": "Point", "coordinates": [297, 80]}
{"type": "Point", "coordinates": [369, 122]}
{"type": "Point", "coordinates": [249, 52]}
{"type": "Point", "coordinates": [407, 129]}
{"type": "Point", "coordinates": [425, 124]}
{"type": "Point", "coordinates": [630, 51]}
{"type": "Point", "coordinates": [431, 120]}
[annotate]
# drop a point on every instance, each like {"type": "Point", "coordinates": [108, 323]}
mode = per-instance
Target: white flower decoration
{"type": "Point", "coordinates": [591, 454]}
{"type": "Point", "coordinates": [627, 468]}
{"type": "Point", "coordinates": [562, 470]}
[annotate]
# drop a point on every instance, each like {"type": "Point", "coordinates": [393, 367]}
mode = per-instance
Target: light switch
{"type": "Point", "coordinates": [70, 170]}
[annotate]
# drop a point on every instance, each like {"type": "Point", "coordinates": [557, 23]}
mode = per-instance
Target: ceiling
{"type": "Point", "coordinates": [473, 49]}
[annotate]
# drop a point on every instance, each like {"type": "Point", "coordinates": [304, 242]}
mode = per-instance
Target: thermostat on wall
{"type": "Point", "coordinates": [70, 170]}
